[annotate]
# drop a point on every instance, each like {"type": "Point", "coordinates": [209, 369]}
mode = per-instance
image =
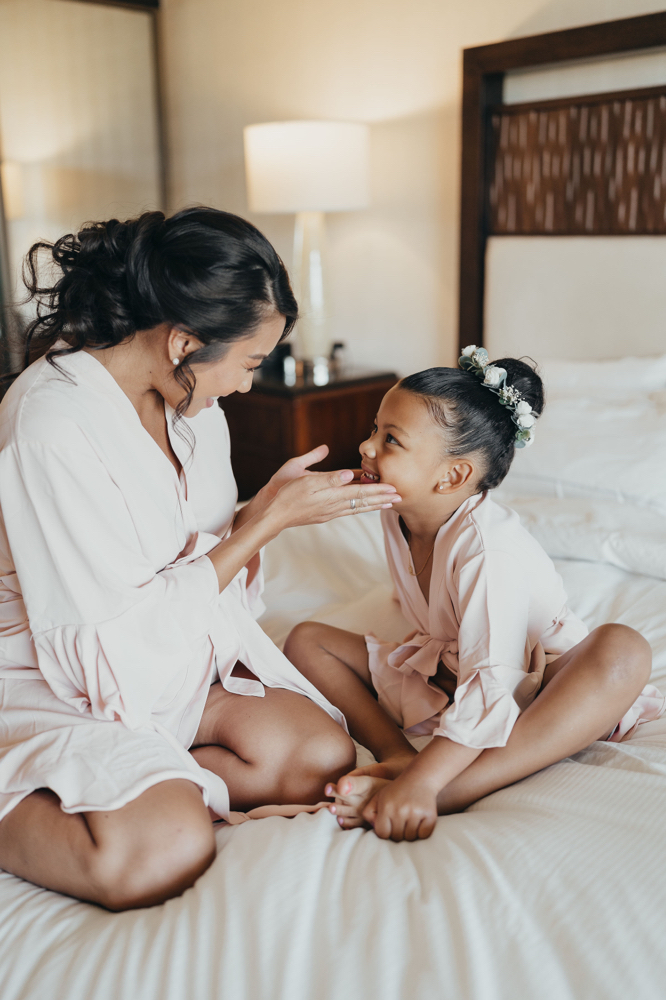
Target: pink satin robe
{"type": "Point", "coordinates": [497, 615]}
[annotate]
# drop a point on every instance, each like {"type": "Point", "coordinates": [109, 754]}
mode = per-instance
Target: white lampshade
{"type": "Point", "coordinates": [307, 166]}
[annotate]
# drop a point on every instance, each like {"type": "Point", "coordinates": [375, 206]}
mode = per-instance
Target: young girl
{"type": "Point", "coordinates": [491, 625]}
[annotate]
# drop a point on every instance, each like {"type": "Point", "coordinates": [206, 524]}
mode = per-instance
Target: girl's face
{"type": "Point", "coordinates": [405, 449]}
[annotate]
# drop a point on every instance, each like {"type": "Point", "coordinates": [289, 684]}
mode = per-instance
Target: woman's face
{"type": "Point", "coordinates": [233, 372]}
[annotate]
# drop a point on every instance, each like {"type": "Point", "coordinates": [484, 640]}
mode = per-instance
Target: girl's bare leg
{"type": "Point", "coordinates": [586, 692]}
{"type": "Point", "coordinates": [281, 748]}
{"type": "Point", "coordinates": [152, 849]}
{"type": "Point", "coordinates": [336, 662]}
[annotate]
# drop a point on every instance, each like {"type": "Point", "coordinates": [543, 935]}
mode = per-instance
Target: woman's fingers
{"type": "Point", "coordinates": [347, 489]}
{"type": "Point", "coordinates": [353, 497]}
{"type": "Point", "coordinates": [322, 496]}
{"type": "Point", "coordinates": [317, 454]}
{"type": "Point", "coordinates": [353, 503]}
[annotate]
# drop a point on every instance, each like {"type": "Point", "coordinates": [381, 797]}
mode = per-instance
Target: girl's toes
{"type": "Point", "coordinates": [343, 811]}
{"type": "Point", "coordinates": [357, 788]}
{"type": "Point", "coordinates": [340, 790]}
{"type": "Point", "coordinates": [351, 823]}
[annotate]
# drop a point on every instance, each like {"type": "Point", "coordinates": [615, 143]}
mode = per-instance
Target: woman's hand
{"type": "Point", "coordinates": [403, 810]}
{"type": "Point", "coordinates": [293, 469]}
{"type": "Point", "coordinates": [303, 497]}
{"type": "Point", "coordinates": [322, 496]}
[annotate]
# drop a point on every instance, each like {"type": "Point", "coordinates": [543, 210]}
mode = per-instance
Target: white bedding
{"type": "Point", "coordinates": [552, 889]}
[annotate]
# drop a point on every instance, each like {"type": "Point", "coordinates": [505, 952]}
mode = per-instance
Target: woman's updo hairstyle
{"type": "Point", "coordinates": [207, 272]}
{"type": "Point", "coordinates": [472, 415]}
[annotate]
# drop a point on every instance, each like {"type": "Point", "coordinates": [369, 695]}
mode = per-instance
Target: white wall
{"type": "Point", "coordinates": [393, 63]}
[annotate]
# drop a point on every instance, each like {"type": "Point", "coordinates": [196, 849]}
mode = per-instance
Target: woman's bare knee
{"type": "Point", "coordinates": [127, 879]}
{"type": "Point", "coordinates": [137, 866]}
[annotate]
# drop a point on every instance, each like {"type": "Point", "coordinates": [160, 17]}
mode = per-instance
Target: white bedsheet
{"type": "Point", "coordinates": [552, 889]}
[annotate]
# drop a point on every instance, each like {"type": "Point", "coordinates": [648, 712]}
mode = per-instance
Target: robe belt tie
{"type": "Point", "coordinates": [422, 653]}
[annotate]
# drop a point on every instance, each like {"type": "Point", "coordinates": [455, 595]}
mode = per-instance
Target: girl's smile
{"type": "Point", "coordinates": [367, 476]}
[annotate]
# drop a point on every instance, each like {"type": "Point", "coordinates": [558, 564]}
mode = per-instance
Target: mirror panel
{"type": "Point", "coordinates": [79, 123]}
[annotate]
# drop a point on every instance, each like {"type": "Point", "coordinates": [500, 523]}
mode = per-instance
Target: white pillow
{"type": "Point", "coordinates": [597, 531]}
{"type": "Point", "coordinates": [588, 448]}
{"type": "Point", "coordinates": [605, 379]}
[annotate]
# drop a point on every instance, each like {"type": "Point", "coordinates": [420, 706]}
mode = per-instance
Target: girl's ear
{"type": "Point", "coordinates": [458, 475]}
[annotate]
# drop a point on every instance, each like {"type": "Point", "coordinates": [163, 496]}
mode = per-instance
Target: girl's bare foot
{"type": "Point", "coordinates": [355, 790]}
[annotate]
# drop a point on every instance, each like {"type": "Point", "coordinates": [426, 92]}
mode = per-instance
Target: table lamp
{"type": "Point", "coordinates": [308, 167]}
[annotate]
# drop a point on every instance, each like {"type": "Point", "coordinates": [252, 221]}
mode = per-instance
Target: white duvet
{"type": "Point", "coordinates": [552, 889]}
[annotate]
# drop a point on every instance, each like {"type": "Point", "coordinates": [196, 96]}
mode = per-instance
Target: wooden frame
{"type": "Point", "coordinates": [483, 78]}
{"type": "Point", "coordinates": [132, 4]}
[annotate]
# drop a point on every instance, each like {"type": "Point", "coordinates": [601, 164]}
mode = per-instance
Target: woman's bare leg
{"type": "Point", "coordinates": [585, 694]}
{"type": "Point", "coordinates": [281, 748]}
{"type": "Point", "coordinates": [336, 662]}
{"type": "Point", "coordinates": [148, 851]}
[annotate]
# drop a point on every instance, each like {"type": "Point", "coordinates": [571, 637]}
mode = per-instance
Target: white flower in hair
{"type": "Point", "coordinates": [523, 407]}
{"type": "Point", "coordinates": [494, 376]}
{"type": "Point", "coordinates": [467, 352]}
{"type": "Point", "coordinates": [525, 420]}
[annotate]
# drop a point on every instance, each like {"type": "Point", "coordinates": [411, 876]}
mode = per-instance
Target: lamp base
{"type": "Point", "coordinates": [313, 339]}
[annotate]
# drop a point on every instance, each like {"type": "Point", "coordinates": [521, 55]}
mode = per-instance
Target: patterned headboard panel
{"type": "Point", "coordinates": [588, 165]}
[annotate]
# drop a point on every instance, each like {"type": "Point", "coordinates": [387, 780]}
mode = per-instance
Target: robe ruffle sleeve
{"type": "Point", "coordinates": [114, 633]}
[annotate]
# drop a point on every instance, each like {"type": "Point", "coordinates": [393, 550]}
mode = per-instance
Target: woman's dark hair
{"type": "Point", "coordinates": [204, 271]}
{"type": "Point", "coordinates": [472, 415]}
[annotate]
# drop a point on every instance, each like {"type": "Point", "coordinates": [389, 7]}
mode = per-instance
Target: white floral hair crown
{"type": "Point", "coordinates": [475, 359]}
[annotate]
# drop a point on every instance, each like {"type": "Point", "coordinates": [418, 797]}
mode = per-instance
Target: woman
{"type": "Point", "coordinates": [128, 585]}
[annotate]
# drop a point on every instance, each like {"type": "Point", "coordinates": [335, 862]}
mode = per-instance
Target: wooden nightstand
{"type": "Point", "coordinates": [275, 421]}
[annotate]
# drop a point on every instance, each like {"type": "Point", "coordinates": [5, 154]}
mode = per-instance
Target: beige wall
{"type": "Point", "coordinates": [393, 63]}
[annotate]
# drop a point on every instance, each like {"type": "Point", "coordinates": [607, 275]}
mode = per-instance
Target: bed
{"type": "Point", "coordinates": [552, 888]}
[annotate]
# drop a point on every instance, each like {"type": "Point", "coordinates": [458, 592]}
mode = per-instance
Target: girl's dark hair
{"type": "Point", "coordinates": [472, 415]}
{"type": "Point", "coordinates": [204, 271]}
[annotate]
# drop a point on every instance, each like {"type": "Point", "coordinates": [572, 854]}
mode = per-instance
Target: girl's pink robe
{"type": "Point", "coordinates": [112, 626]}
{"type": "Point", "coordinates": [497, 615]}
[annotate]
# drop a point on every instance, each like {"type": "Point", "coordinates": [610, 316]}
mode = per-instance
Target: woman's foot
{"type": "Point", "coordinates": [355, 790]}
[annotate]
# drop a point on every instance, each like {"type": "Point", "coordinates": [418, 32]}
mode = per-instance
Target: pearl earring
{"type": "Point", "coordinates": [175, 361]}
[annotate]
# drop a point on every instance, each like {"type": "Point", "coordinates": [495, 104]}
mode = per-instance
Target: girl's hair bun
{"type": "Point", "coordinates": [473, 417]}
{"type": "Point", "coordinates": [524, 377]}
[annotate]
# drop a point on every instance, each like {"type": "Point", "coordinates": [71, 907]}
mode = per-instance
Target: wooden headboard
{"type": "Point", "coordinates": [588, 165]}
